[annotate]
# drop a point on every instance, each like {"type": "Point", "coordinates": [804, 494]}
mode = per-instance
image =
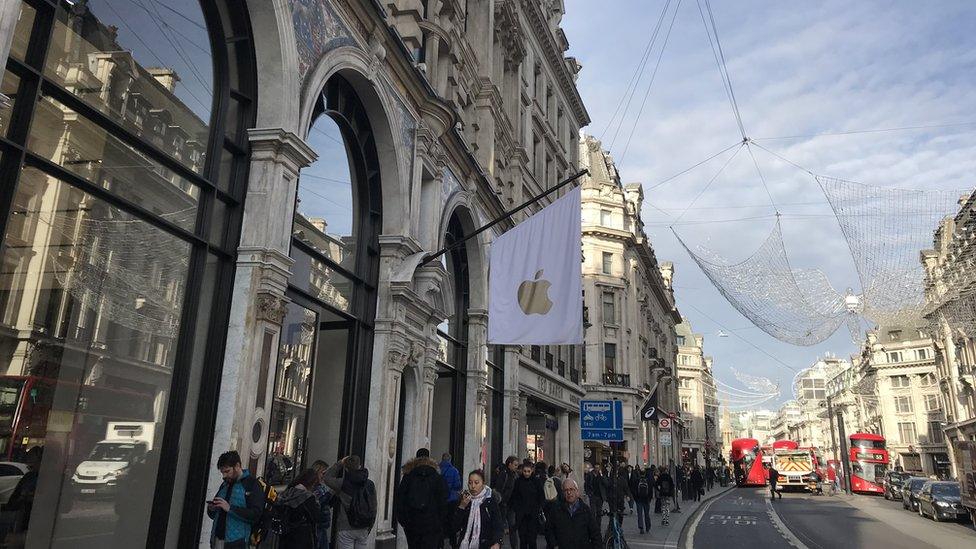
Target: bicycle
{"type": "Point", "coordinates": [614, 538]}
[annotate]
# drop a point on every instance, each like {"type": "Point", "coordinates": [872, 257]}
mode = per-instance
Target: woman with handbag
{"type": "Point", "coordinates": [478, 520]}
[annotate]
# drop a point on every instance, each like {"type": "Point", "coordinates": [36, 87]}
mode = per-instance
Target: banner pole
{"type": "Point", "coordinates": [431, 257]}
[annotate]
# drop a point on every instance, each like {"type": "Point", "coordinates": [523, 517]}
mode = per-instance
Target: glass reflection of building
{"type": "Point", "coordinates": [114, 235]}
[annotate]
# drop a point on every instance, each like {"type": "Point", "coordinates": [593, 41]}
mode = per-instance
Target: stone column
{"type": "Point", "coordinates": [512, 416]}
{"type": "Point", "coordinates": [258, 305]}
{"type": "Point", "coordinates": [476, 394]}
{"type": "Point", "coordinates": [563, 439]}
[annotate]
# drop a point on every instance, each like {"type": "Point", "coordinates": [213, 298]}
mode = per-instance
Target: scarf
{"type": "Point", "coordinates": [472, 533]}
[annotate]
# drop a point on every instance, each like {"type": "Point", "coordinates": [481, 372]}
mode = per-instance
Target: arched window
{"type": "Point", "coordinates": [335, 246]}
{"type": "Point", "coordinates": [450, 389]}
{"type": "Point", "coordinates": [123, 167]}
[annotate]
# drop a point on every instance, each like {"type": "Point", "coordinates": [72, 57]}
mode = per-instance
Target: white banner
{"type": "Point", "coordinates": [535, 279]}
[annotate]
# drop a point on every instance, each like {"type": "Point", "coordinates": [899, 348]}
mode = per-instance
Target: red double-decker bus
{"type": "Point", "coordinates": [869, 463]}
{"type": "Point", "coordinates": [26, 404]}
{"type": "Point", "coordinates": [747, 462]}
{"type": "Point", "coordinates": [785, 445]}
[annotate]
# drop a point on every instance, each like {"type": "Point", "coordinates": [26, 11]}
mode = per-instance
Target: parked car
{"type": "Point", "coordinates": [893, 484]}
{"type": "Point", "coordinates": [10, 473]}
{"type": "Point", "coordinates": [941, 500]}
{"type": "Point", "coordinates": [909, 491]}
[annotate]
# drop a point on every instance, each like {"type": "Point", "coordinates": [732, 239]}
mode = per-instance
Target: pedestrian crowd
{"type": "Point", "coordinates": [327, 506]}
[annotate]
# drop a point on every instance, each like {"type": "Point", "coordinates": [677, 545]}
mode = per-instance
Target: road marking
{"type": "Point", "coordinates": [783, 530]}
{"type": "Point", "coordinates": [690, 540]}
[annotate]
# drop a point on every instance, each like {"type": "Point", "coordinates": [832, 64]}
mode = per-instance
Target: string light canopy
{"type": "Point", "coordinates": [885, 230]}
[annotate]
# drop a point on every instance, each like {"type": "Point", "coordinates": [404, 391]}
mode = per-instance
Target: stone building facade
{"type": "Point", "coordinates": [697, 398]}
{"type": "Point", "coordinates": [215, 230]}
{"type": "Point", "coordinates": [952, 322]}
{"type": "Point", "coordinates": [630, 349]}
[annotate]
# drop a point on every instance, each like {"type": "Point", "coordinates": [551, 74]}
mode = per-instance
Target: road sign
{"type": "Point", "coordinates": [665, 438]}
{"type": "Point", "coordinates": [602, 420]}
{"type": "Point", "coordinates": [664, 424]}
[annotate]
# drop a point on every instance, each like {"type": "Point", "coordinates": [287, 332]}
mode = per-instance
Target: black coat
{"type": "Point", "coordinates": [567, 530]}
{"type": "Point", "coordinates": [505, 483]}
{"type": "Point", "coordinates": [492, 521]}
{"type": "Point", "coordinates": [421, 497]}
{"type": "Point", "coordinates": [664, 485]}
{"type": "Point", "coordinates": [527, 497]}
{"type": "Point", "coordinates": [304, 513]}
{"type": "Point", "coordinates": [696, 478]}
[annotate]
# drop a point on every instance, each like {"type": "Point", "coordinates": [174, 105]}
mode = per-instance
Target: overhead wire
{"type": "Point", "coordinates": [632, 91]}
{"type": "Point", "coordinates": [647, 92]}
{"type": "Point", "coordinates": [637, 71]}
{"type": "Point", "coordinates": [751, 344]}
{"type": "Point", "coordinates": [686, 170]}
{"type": "Point", "coordinates": [722, 67]}
{"type": "Point", "coordinates": [709, 184]}
{"type": "Point", "coordinates": [866, 131]}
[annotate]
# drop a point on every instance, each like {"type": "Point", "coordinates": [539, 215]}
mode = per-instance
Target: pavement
{"type": "Point", "coordinates": [746, 518]}
{"type": "Point", "coordinates": [661, 536]}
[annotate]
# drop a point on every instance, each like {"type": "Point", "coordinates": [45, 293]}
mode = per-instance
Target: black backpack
{"type": "Point", "coordinates": [667, 487]}
{"type": "Point", "coordinates": [362, 509]}
{"type": "Point", "coordinates": [419, 494]}
{"type": "Point", "coordinates": [643, 490]}
{"type": "Point", "coordinates": [283, 519]}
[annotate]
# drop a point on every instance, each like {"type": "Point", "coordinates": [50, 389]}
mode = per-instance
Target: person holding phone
{"type": "Point", "coordinates": [478, 518]}
{"type": "Point", "coordinates": [236, 507]}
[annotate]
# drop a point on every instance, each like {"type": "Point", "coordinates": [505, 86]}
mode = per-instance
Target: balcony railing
{"type": "Point", "coordinates": [622, 380]}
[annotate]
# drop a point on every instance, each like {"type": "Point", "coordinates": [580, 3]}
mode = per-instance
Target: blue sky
{"type": "Point", "coordinates": [797, 68]}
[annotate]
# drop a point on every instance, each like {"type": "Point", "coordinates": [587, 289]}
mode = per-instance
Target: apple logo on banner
{"type": "Point", "coordinates": [533, 296]}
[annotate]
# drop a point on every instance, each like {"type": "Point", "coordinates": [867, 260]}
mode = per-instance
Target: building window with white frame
{"type": "Point", "coordinates": [607, 263]}
{"type": "Point", "coordinates": [935, 432]}
{"type": "Point", "coordinates": [921, 354]}
{"type": "Point", "coordinates": [894, 356]}
{"type": "Point", "coordinates": [900, 382]}
{"type": "Point", "coordinates": [685, 404]}
{"type": "Point", "coordinates": [906, 432]}
{"type": "Point", "coordinates": [610, 357]}
{"type": "Point", "coordinates": [927, 380]}
{"type": "Point", "coordinates": [903, 404]}
{"type": "Point", "coordinates": [609, 308]}
{"type": "Point", "coordinates": [606, 218]}
{"type": "Point", "coordinates": [932, 403]}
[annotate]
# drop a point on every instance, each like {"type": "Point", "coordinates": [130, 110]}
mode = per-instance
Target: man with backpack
{"type": "Point", "coordinates": [420, 502]}
{"type": "Point", "coordinates": [642, 497]}
{"type": "Point", "coordinates": [356, 511]}
{"type": "Point", "coordinates": [238, 505]}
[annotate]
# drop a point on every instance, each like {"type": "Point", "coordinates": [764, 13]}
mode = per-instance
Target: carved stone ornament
{"type": "Point", "coordinates": [271, 307]}
{"type": "Point", "coordinates": [430, 375]}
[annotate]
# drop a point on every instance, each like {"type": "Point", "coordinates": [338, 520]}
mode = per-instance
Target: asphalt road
{"type": "Point", "coordinates": [746, 518]}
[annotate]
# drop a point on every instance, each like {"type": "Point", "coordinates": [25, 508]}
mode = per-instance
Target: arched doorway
{"type": "Point", "coordinates": [321, 394]}
{"type": "Point", "coordinates": [124, 161]}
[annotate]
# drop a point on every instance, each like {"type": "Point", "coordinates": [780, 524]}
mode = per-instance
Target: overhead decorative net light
{"type": "Point", "coordinates": [797, 306]}
{"type": "Point", "coordinates": [886, 229]}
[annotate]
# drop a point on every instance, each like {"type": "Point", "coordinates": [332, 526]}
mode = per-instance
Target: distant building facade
{"type": "Point", "coordinates": [631, 345]}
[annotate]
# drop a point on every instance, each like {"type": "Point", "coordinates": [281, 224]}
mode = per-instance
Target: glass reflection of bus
{"type": "Point", "coordinates": [747, 462]}
{"type": "Point", "coordinates": [26, 403]}
{"type": "Point", "coordinates": [869, 463]}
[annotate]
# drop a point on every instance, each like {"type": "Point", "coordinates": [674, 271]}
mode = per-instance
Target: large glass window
{"type": "Point", "coordinates": [109, 278]}
{"type": "Point", "coordinates": [326, 341]}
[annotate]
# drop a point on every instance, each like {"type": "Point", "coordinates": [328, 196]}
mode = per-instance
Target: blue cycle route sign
{"type": "Point", "coordinates": [602, 420]}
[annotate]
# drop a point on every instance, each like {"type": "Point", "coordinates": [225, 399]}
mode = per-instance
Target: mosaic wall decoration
{"type": "Point", "coordinates": [318, 29]}
{"type": "Point", "coordinates": [407, 130]}
{"type": "Point", "coordinates": [450, 186]}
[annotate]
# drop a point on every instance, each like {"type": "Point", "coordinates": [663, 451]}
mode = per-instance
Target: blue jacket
{"type": "Point", "coordinates": [246, 506]}
{"type": "Point", "coordinates": [453, 479]}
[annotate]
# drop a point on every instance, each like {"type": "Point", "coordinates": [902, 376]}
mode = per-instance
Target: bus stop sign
{"type": "Point", "coordinates": [602, 420]}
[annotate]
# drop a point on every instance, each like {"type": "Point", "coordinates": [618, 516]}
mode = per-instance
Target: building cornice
{"type": "Point", "coordinates": [533, 11]}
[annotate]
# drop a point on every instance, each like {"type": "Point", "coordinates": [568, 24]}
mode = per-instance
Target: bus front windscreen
{"type": "Point", "coordinates": [868, 444]}
{"type": "Point", "coordinates": [871, 472]}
